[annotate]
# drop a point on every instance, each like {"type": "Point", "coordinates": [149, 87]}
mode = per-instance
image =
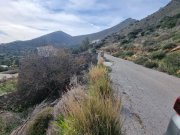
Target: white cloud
{"type": "Point", "coordinates": [27, 19]}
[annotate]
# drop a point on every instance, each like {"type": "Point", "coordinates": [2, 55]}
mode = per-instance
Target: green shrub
{"type": "Point", "coordinates": [125, 41]}
{"type": "Point", "coordinates": [158, 55]}
{"type": "Point", "coordinates": [156, 34]}
{"type": "Point", "coordinates": [142, 33]}
{"type": "Point", "coordinates": [123, 54]}
{"type": "Point", "coordinates": [7, 125]}
{"type": "Point", "coordinates": [176, 37]}
{"type": "Point", "coordinates": [164, 37]}
{"type": "Point", "coordinates": [150, 64]}
{"type": "Point", "coordinates": [93, 50]}
{"type": "Point", "coordinates": [169, 22]}
{"type": "Point", "coordinates": [131, 36]}
{"type": "Point", "coordinates": [8, 86]}
{"type": "Point", "coordinates": [171, 63]}
{"type": "Point", "coordinates": [150, 48]}
{"type": "Point", "coordinates": [141, 60]}
{"type": "Point", "coordinates": [134, 33]}
{"type": "Point", "coordinates": [169, 46]}
{"type": "Point", "coordinates": [129, 53]}
{"type": "Point", "coordinates": [119, 54]}
{"type": "Point", "coordinates": [3, 69]}
{"type": "Point", "coordinates": [149, 43]}
{"type": "Point", "coordinates": [40, 123]}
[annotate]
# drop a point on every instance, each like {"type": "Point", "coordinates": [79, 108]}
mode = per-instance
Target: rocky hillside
{"type": "Point", "coordinates": [153, 41]}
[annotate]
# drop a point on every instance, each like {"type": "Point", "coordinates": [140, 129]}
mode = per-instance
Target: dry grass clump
{"type": "Point", "coordinates": [97, 72]}
{"type": "Point", "coordinates": [61, 108]}
{"type": "Point", "coordinates": [93, 116]}
{"type": "Point", "coordinates": [95, 113]}
{"type": "Point", "coordinates": [99, 83]}
{"type": "Point", "coordinates": [74, 95]}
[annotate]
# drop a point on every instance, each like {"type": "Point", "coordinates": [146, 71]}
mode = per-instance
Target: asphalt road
{"type": "Point", "coordinates": [148, 97]}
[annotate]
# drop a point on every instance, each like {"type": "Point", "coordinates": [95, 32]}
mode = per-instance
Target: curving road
{"type": "Point", "coordinates": [148, 96]}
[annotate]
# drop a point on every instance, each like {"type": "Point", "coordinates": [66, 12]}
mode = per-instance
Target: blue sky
{"type": "Point", "coordinates": [27, 19]}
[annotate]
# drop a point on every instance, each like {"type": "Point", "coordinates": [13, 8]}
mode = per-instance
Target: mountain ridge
{"type": "Point", "coordinates": [62, 39]}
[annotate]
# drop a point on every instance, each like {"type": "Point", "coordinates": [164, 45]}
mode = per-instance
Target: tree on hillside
{"type": "Point", "coordinates": [85, 45]}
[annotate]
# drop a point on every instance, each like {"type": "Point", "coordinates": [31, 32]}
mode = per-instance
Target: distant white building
{"type": "Point", "coordinates": [95, 41]}
{"type": "Point", "coordinates": [3, 66]}
{"type": "Point", "coordinates": [47, 51]}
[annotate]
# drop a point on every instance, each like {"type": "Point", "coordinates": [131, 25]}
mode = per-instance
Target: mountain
{"type": "Point", "coordinates": [61, 39]}
{"type": "Point", "coordinates": [171, 9]}
{"type": "Point", "coordinates": [102, 34]}
{"type": "Point", "coordinates": [54, 38]}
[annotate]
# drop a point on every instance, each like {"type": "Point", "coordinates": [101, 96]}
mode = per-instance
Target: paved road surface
{"type": "Point", "coordinates": [148, 96]}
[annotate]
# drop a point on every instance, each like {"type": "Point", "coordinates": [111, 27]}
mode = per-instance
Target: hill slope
{"type": "Point", "coordinates": [61, 39]}
{"type": "Point", "coordinates": [170, 9]}
{"type": "Point", "coordinates": [104, 33]}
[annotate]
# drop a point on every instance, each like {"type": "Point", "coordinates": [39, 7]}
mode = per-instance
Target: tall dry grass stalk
{"type": "Point", "coordinates": [97, 113]}
{"type": "Point", "coordinates": [99, 82]}
{"type": "Point", "coordinates": [94, 116]}
{"type": "Point", "coordinates": [97, 72]}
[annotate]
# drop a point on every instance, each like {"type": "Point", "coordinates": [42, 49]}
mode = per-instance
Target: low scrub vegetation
{"type": "Point", "coordinates": [169, 46]}
{"type": "Point", "coordinates": [157, 55]}
{"type": "Point", "coordinates": [151, 64]}
{"type": "Point", "coordinates": [9, 60]}
{"type": "Point", "coordinates": [149, 43]}
{"type": "Point", "coordinates": [176, 37]}
{"type": "Point", "coordinates": [169, 22]}
{"type": "Point", "coordinates": [124, 54]}
{"type": "Point", "coordinates": [171, 64]}
{"type": "Point", "coordinates": [8, 122]}
{"type": "Point", "coordinates": [141, 60]}
{"type": "Point", "coordinates": [146, 62]}
{"type": "Point", "coordinates": [2, 69]}
{"type": "Point", "coordinates": [98, 113]}
{"type": "Point", "coordinates": [8, 86]}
